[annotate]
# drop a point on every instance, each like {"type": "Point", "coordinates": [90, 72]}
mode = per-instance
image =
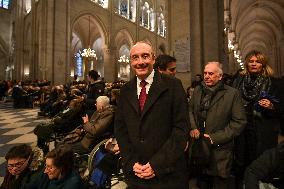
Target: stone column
{"type": "Point", "coordinates": [18, 72]}
{"type": "Point", "coordinates": [110, 62]}
{"type": "Point", "coordinates": [196, 55]}
{"type": "Point", "coordinates": [55, 41]}
{"type": "Point", "coordinates": [206, 33]}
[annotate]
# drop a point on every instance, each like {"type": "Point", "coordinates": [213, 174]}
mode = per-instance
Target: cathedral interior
{"type": "Point", "coordinates": [54, 40]}
{"type": "Point", "coordinates": [38, 38]}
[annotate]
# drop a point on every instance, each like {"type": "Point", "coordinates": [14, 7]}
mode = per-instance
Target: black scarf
{"type": "Point", "coordinates": [206, 97]}
{"type": "Point", "coordinates": [252, 86]}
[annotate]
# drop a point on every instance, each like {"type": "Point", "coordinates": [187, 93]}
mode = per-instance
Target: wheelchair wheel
{"type": "Point", "coordinates": [93, 154]}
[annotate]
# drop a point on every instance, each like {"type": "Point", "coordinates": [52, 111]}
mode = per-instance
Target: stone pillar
{"type": "Point", "coordinates": [110, 63]}
{"type": "Point", "coordinates": [196, 57]}
{"type": "Point", "coordinates": [55, 41]}
{"type": "Point", "coordinates": [206, 33]}
{"type": "Point", "coordinates": [18, 72]}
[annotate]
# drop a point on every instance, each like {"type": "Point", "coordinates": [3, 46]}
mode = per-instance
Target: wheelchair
{"type": "Point", "coordinates": [114, 171]}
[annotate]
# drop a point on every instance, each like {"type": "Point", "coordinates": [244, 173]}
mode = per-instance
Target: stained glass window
{"type": "Point", "coordinates": [4, 4]}
{"type": "Point", "coordinates": [79, 65]}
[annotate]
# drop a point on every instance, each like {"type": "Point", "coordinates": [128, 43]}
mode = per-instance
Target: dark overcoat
{"type": "Point", "coordinates": [157, 135]}
{"type": "Point", "coordinates": [225, 120]}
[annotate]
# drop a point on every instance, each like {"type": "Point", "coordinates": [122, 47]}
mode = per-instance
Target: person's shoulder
{"type": "Point", "coordinates": [109, 110]}
{"type": "Point", "coordinates": [230, 89]}
{"type": "Point", "coordinates": [169, 79]}
{"type": "Point", "coordinates": [73, 181]}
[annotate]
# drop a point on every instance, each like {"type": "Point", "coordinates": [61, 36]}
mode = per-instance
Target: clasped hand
{"type": "Point", "coordinates": [266, 103]}
{"type": "Point", "coordinates": [143, 171]}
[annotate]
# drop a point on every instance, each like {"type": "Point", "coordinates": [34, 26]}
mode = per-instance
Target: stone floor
{"type": "Point", "coordinates": [16, 127]}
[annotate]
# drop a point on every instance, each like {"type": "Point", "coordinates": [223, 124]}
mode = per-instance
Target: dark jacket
{"type": "Point", "coordinates": [94, 90]}
{"type": "Point", "coordinates": [157, 135]}
{"type": "Point", "coordinates": [266, 168]}
{"type": "Point", "coordinates": [70, 181]}
{"type": "Point", "coordinates": [259, 118]}
{"type": "Point", "coordinates": [225, 120]}
{"type": "Point", "coordinates": [28, 175]}
{"type": "Point", "coordinates": [100, 123]}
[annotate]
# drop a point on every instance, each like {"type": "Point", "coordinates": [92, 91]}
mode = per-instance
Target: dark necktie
{"type": "Point", "coordinates": [143, 94]}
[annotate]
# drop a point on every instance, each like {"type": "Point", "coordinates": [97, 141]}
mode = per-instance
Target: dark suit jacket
{"type": "Point", "coordinates": [157, 135]}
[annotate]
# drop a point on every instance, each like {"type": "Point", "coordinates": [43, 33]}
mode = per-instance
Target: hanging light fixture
{"type": "Point", "coordinates": [89, 53]}
{"type": "Point", "coordinates": [123, 59]}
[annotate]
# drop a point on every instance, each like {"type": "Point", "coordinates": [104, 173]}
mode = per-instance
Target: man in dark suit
{"type": "Point", "coordinates": [217, 115]}
{"type": "Point", "coordinates": [151, 125]}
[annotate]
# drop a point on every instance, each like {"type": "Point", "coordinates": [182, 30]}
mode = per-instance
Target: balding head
{"type": "Point", "coordinates": [212, 73]}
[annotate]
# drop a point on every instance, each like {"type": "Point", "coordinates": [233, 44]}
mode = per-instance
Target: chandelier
{"type": "Point", "coordinates": [123, 59]}
{"type": "Point", "coordinates": [89, 53]}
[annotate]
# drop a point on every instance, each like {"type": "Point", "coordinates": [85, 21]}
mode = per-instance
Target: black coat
{"type": "Point", "coordinates": [71, 181]}
{"type": "Point", "coordinates": [157, 135]}
{"type": "Point", "coordinates": [264, 122]}
{"type": "Point", "coordinates": [268, 166]}
{"type": "Point", "coordinates": [94, 90]}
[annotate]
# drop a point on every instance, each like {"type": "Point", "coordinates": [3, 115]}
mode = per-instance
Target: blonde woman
{"type": "Point", "coordinates": [263, 103]}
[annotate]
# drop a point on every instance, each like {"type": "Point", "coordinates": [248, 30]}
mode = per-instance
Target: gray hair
{"type": "Point", "coordinates": [218, 65]}
{"type": "Point", "coordinates": [104, 100]}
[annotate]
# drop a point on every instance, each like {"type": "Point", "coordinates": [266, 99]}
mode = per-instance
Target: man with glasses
{"type": "Point", "coordinates": [23, 163]}
{"type": "Point", "coordinates": [151, 125]}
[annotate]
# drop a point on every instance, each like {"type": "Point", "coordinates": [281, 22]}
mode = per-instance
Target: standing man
{"type": "Point", "coordinates": [216, 113]}
{"type": "Point", "coordinates": [151, 125]}
{"type": "Point", "coordinates": [166, 64]}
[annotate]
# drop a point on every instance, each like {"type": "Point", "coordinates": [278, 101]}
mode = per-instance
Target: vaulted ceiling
{"type": "Point", "coordinates": [257, 25]}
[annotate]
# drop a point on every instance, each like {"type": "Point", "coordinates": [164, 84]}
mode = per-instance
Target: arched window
{"type": "Point", "coordinates": [124, 63]}
{"type": "Point", "coordinates": [152, 20]}
{"type": "Point", "coordinates": [103, 3]}
{"type": "Point", "coordinates": [161, 25]}
{"type": "Point", "coordinates": [126, 8]}
{"type": "Point", "coordinates": [4, 4]}
{"type": "Point", "coordinates": [28, 6]}
{"type": "Point", "coordinates": [79, 64]}
{"type": "Point", "coordinates": [147, 18]}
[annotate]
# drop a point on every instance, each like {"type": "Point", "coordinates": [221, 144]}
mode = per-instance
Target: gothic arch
{"type": "Point", "coordinates": [123, 42]}
{"type": "Point", "coordinates": [263, 27]}
{"type": "Point", "coordinates": [94, 20]}
{"type": "Point", "coordinates": [122, 37]}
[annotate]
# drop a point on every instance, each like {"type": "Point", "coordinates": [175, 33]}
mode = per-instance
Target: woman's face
{"type": "Point", "coordinates": [17, 165]}
{"type": "Point", "coordinates": [254, 66]}
{"type": "Point", "coordinates": [51, 171]}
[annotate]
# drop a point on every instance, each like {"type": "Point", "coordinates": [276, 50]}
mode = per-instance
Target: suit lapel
{"type": "Point", "coordinates": [132, 94]}
{"type": "Point", "coordinates": [156, 89]}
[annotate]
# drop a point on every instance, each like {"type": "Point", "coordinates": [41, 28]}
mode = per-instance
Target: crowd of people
{"type": "Point", "coordinates": [222, 132]}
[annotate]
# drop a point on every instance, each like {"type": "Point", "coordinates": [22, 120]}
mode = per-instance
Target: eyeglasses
{"type": "Point", "coordinates": [16, 165]}
{"type": "Point", "coordinates": [145, 57]}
